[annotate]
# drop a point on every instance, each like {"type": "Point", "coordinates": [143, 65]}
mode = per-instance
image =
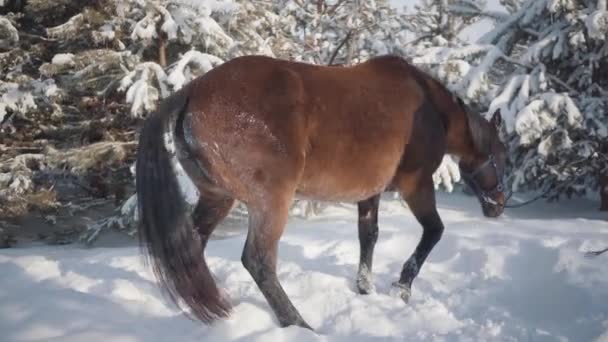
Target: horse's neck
{"type": "Point", "coordinates": [459, 140]}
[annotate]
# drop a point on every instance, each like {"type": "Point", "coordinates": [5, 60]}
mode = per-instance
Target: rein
{"type": "Point", "coordinates": [534, 199]}
{"type": "Point", "coordinates": [519, 205]}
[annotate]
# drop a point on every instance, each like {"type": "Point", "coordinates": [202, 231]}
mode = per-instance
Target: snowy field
{"type": "Point", "coordinates": [523, 277]}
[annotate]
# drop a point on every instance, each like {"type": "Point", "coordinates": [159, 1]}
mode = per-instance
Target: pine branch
{"type": "Point", "coordinates": [550, 76]}
{"type": "Point", "coordinates": [35, 37]}
{"type": "Point", "coordinates": [493, 36]}
{"type": "Point", "coordinates": [299, 3]}
{"type": "Point", "coordinates": [335, 7]}
{"type": "Point", "coordinates": [419, 39]}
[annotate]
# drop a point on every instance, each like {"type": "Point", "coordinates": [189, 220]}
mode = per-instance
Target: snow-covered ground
{"type": "Point", "coordinates": [523, 277]}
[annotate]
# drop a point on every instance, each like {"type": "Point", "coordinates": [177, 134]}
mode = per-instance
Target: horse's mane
{"type": "Point", "coordinates": [424, 79]}
{"type": "Point", "coordinates": [478, 126]}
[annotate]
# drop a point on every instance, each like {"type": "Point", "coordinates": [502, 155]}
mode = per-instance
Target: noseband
{"type": "Point", "coordinates": [485, 195]}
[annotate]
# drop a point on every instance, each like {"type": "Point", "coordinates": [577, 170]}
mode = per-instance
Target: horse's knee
{"type": "Point", "coordinates": [247, 260]}
{"type": "Point", "coordinates": [254, 264]}
{"type": "Point", "coordinates": [369, 235]}
{"type": "Point", "coordinates": [433, 227]}
{"type": "Point", "coordinates": [435, 233]}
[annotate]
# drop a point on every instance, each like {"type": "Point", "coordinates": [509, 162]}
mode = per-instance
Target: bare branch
{"type": "Point", "coordinates": [417, 40]}
{"type": "Point", "coordinates": [335, 7]}
{"type": "Point", "coordinates": [333, 56]}
{"type": "Point", "coordinates": [596, 253]}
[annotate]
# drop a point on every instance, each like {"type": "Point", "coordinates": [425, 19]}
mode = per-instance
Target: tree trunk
{"type": "Point", "coordinates": [320, 6]}
{"type": "Point", "coordinates": [162, 51]}
{"type": "Point", "coordinates": [604, 192]}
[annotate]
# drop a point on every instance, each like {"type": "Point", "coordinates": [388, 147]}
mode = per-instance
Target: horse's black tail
{"type": "Point", "coordinates": [166, 228]}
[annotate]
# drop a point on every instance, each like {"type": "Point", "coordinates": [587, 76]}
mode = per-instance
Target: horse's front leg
{"type": "Point", "coordinates": [368, 235]}
{"type": "Point", "coordinates": [420, 198]}
{"type": "Point", "coordinates": [266, 225]}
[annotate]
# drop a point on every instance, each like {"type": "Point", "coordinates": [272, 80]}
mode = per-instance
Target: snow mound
{"type": "Point", "coordinates": [522, 277]}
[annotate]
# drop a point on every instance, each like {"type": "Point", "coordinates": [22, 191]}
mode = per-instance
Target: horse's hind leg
{"type": "Point", "coordinates": [209, 212]}
{"type": "Point", "coordinates": [368, 234]}
{"type": "Point", "coordinates": [266, 224]}
{"type": "Point", "coordinates": [420, 197]}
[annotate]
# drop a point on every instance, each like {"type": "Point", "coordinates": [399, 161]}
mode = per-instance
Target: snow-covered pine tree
{"type": "Point", "coordinates": [439, 22]}
{"type": "Point", "coordinates": [258, 30]}
{"type": "Point", "coordinates": [604, 192]}
{"type": "Point", "coordinates": [176, 41]}
{"type": "Point", "coordinates": [557, 100]}
{"type": "Point", "coordinates": [544, 67]}
{"type": "Point", "coordinates": [352, 30]}
{"type": "Point", "coordinates": [62, 63]}
{"type": "Point", "coordinates": [52, 77]}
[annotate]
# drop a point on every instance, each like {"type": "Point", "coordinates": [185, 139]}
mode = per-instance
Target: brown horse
{"type": "Point", "coordinates": [264, 130]}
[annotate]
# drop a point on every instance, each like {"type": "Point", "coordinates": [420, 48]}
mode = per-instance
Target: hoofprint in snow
{"type": "Point", "coordinates": [523, 277]}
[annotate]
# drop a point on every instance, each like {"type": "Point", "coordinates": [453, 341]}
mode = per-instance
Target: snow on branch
{"type": "Point", "coordinates": [68, 29]}
{"type": "Point", "coordinates": [211, 30]}
{"type": "Point", "coordinates": [597, 22]}
{"type": "Point", "coordinates": [182, 72]}
{"type": "Point", "coordinates": [141, 92]}
{"type": "Point", "coordinates": [503, 32]}
{"type": "Point", "coordinates": [169, 26]}
{"type": "Point", "coordinates": [145, 29]}
{"type": "Point", "coordinates": [14, 99]}
{"type": "Point", "coordinates": [469, 8]}
{"type": "Point", "coordinates": [511, 100]}
{"type": "Point", "coordinates": [442, 54]}
{"type": "Point", "coordinates": [541, 115]}
{"type": "Point", "coordinates": [446, 174]}
{"type": "Point", "coordinates": [549, 45]}
{"type": "Point", "coordinates": [475, 81]}
{"type": "Point", "coordinates": [530, 115]}
{"type": "Point", "coordinates": [184, 20]}
{"type": "Point", "coordinates": [9, 36]}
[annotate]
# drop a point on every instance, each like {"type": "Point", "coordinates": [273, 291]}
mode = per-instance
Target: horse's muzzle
{"type": "Point", "coordinates": [493, 211]}
{"type": "Point", "coordinates": [493, 206]}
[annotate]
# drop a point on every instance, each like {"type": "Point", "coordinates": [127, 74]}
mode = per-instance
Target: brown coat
{"type": "Point", "coordinates": [329, 133]}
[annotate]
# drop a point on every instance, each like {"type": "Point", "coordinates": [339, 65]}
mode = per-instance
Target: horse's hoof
{"type": "Point", "coordinates": [298, 323]}
{"type": "Point", "coordinates": [301, 324]}
{"type": "Point", "coordinates": [365, 284]}
{"type": "Point", "coordinates": [305, 326]}
{"type": "Point", "coordinates": [402, 291]}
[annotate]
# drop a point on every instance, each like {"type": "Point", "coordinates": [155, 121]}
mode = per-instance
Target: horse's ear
{"type": "Point", "coordinates": [479, 129]}
{"type": "Point", "coordinates": [496, 119]}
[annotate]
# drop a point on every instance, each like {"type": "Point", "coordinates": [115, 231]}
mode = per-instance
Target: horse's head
{"type": "Point", "coordinates": [483, 171]}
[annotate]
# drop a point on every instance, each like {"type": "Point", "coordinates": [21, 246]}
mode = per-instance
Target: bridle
{"type": "Point", "coordinates": [470, 179]}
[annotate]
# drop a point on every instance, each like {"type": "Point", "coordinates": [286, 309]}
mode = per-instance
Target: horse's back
{"type": "Point", "coordinates": [335, 133]}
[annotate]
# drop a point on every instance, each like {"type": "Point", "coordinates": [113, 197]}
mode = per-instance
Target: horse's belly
{"type": "Point", "coordinates": [326, 190]}
{"type": "Point", "coordinates": [348, 177]}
